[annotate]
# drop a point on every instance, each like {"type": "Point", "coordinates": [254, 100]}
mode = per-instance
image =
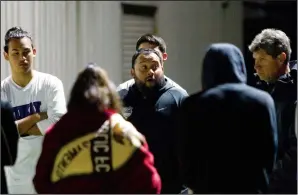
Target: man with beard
{"type": "Point", "coordinates": [150, 41]}
{"type": "Point", "coordinates": [151, 104]}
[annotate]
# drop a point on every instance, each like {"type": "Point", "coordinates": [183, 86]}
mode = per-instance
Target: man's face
{"type": "Point", "coordinates": [147, 45]}
{"type": "Point", "coordinates": [148, 71]}
{"type": "Point", "coordinates": [20, 55]}
{"type": "Point", "coordinates": [266, 66]}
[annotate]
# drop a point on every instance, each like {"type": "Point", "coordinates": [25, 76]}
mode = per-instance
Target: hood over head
{"type": "Point", "coordinates": [223, 63]}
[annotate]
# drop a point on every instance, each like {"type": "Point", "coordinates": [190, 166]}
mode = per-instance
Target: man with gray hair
{"type": "Point", "coordinates": [277, 75]}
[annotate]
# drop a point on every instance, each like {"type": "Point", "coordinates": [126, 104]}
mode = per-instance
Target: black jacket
{"type": "Point", "coordinates": [228, 133]}
{"type": "Point", "coordinates": [284, 93]}
{"type": "Point", "coordinates": [154, 117]}
{"type": "Point", "coordinates": [9, 141]}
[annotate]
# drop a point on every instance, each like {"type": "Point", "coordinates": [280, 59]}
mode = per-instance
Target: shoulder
{"type": "Point", "coordinates": [5, 88]}
{"type": "Point", "coordinates": [240, 92]}
{"type": "Point", "coordinates": [124, 88]}
{"type": "Point", "coordinates": [259, 95]}
{"type": "Point", "coordinates": [177, 93]}
{"type": "Point", "coordinates": [48, 80]}
{"type": "Point", "coordinates": [174, 95]}
{"type": "Point", "coordinates": [191, 101]}
{"type": "Point", "coordinates": [176, 85]}
{"type": "Point", "coordinates": [5, 82]}
{"type": "Point", "coordinates": [5, 105]}
{"type": "Point", "coordinates": [47, 77]}
{"type": "Point", "coordinates": [126, 85]}
{"type": "Point", "coordinates": [293, 72]}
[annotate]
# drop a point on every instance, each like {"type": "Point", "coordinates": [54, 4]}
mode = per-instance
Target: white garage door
{"type": "Point", "coordinates": [134, 25]}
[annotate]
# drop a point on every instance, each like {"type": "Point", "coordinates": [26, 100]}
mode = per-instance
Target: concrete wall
{"type": "Point", "coordinates": [70, 34]}
{"type": "Point", "coordinates": [188, 28]}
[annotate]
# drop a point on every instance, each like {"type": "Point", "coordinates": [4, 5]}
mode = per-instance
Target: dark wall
{"type": "Point", "coordinates": [280, 15]}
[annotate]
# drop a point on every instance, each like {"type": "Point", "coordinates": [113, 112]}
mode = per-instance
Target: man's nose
{"type": "Point", "coordinates": [22, 57]}
{"type": "Point", "coordinates": [150, 72]}
{"type": "Point", "coordinates": [257, 66]}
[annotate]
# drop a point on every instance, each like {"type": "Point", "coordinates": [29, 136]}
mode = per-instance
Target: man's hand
{"type": "Point", "coordinates": [29, 122]}
{"type": "Point", "coordinates": [43, 116]}
{"type": "Point", "coordinates": [34, 131]}
{"type": "Point", "coordinates": [26, 123]}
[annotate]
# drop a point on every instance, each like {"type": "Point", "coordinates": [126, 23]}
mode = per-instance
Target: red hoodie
{"type": "Point", "coordinates": [77, 159]}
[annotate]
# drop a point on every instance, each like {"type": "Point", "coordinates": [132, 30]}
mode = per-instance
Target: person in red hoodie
{"type": "Point", "coordinates": [92, 148]}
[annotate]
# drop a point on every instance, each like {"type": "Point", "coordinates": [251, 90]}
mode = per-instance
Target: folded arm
{"type": "Point", "coordinates": [38, 123]}
{"type": "Point", "coordinates": [56, 107]}
{"type": "Point", "coordinates": [27, 125]}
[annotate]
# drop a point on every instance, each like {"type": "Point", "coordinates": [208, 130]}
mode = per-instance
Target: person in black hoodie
{"type": "Point", "coordinates": [9, 141]}
{"type": "Point", "coordinates": [151, 104]}
{"type": "Point", "coordinates": [277, 75]}
{"type": "Point", "coordinates": [227, 132]}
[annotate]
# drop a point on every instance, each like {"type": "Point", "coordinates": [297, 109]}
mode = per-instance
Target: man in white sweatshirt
{"type": "Point", "coordinates": [38, 102]}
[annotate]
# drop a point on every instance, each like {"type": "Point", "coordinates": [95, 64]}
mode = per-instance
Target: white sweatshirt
{"type": "Point", "coordinates": [44, 92]}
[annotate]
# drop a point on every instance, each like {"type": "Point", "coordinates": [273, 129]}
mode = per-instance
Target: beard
{"type": "Point", "coordinates": [147, 90]}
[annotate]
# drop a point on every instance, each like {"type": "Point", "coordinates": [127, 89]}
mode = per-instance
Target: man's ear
{"type": "Point", "coordinates": [132, 73]}
{"type": "Point", "coordinates": [5, 55]}
{"type": "Point", "coordinates": [282, 57]}
{"type": "Point", "coordinates": [165, 56]}
{"type": "Point", "coordinates": [34, 52]}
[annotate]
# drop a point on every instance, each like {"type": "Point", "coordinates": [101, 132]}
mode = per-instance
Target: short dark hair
{"type": "Point", "coordinates": [273, 41]}
{"type": "Point", "coordinates": [153, 39]}
{"type": "Point", "coordinates": [15, 33]}
{"type": "Point", "coordinates": [145, 52]}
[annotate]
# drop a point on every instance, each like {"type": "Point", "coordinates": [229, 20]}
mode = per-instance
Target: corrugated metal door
{"type": "Point", "coordinates": [133, 26]}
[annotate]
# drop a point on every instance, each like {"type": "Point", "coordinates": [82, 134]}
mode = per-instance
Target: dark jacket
{"type": "Point", "coordinates": [284, 94]}
{"type": "Point", "coordinates": [9, 141]}
{"type": "Point", "coordinates": [228, 135]}
{"type": "Point", "coordinates": [154, 117]}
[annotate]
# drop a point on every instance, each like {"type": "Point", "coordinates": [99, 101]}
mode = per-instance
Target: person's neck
{"type": "Point", "coordinates": [282, 72]}
{"type": "Point", "coordinates": [22, 79]}
{"type": "Point", "coordinates": [147, 91]}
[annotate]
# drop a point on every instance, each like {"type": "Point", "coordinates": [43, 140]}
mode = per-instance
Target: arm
{"type": "Point", "coordinates": [189, 124]}
{"type": "Point", "coordinates": [34, 130]}
{"type": "Point", "coordinates": [124, 129]}
{"type": "Point", "coordinates": [284, 177]}
{"type": "Point", "coordinates": [178, 121]}
{"type": "Point", "coordinates": [183, 142]}
{"type": "Point", "coordinates": [147, 173]}
{"type": "Point", "coordinates": [25, 125]}
{"type": "Point", "coordinates": [9, 135]}
{"type": "Point", "coordinates": [267, 140]}
{"type": "Point", "coordinates": [56, 107]}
